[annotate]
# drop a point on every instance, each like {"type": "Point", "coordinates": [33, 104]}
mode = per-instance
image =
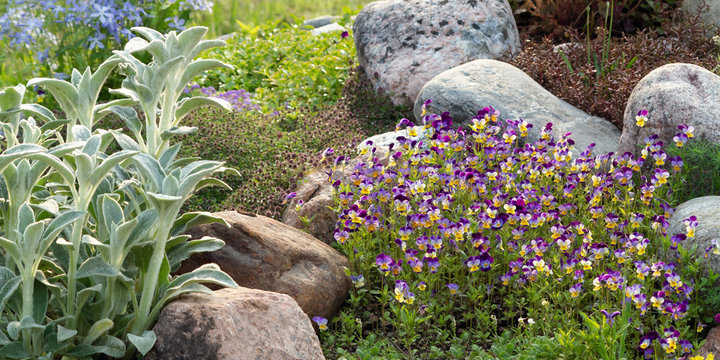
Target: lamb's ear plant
{"type": "Point", "coordinates": [89, 238]}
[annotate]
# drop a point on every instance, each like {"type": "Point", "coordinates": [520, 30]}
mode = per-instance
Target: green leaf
{"type": "Point", "coordinates": [96, 266]}
{"type": "Point", "coordinates": [59, 223]}
{"type": "Point", "coordinates": [189, 104]}
{"type": "Point", "coordinates": [110, 346]}
{"type": "Point", "coordinates": [191, 219]}
{"type": "Point", "coordinates": [126, 142]}
{"type": "Point", "coordinates": [64, 333]}
{"type": "Point", "coordinates": [39, 111]}
{"type": "Point", "coordinates": [207, 273]}
{"type": "Point", "coordinates": [98, 329]}
{"type": "Point", "coordinates": [14, 350]}
{"type": "Point", "coordinates": [28, 323]}
{"type": "Point", "coordinates": [175, 130]}
{"type": "Point", "coordinates": [177, 254]}
{"type": "Point", "coordinates": [144, 342]}
{"type": "Point", "coordinates": [92, 145]}
{"type": "Point", "coordinates": [8, 289]}
{"type": "Point", "coordinates": [129, 116]}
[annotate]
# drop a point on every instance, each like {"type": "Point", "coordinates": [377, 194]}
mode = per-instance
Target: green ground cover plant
{"type": "Point", "coordinates": [273, 152]}
{"type": "Point", "coordinates": [230, 16]}
{"type": "Point", "coordinates": [284, 66]}
{"type": "Point", "coordinates": [89, 236]}
{"type": "Point", "coordinates": [477, 233]}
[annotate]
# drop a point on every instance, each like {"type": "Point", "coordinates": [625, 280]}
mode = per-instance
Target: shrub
{"type": "Point", "coordinates": [272, 152]}
{"type": "Point", "coordinates": [474, 232]}
{"type": "Point", "coordinates": [88, 237]}
{"type": "Point", "coordinates": [554, 17]}
{"type": "Point", "coordinates": [51, 37]}
{"type": "Point", "coordinates": [630, 59]}
{"type": "Point", "coordinates": [285, 66]}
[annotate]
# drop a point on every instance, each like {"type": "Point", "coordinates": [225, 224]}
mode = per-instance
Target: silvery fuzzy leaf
{"type": "Point", "coordinates": [177, 130]}
{"type": "Point", "coordinates": [197, 67]}
{"type": "Point", "coordinates": [145, 221]}
{"type": "Point", "coordinates": [8, 288]}
{"type": "Point", "coordinates": [31, 239]}
{"type": "Point", "coordinates": [64, 333]}
{"type": "Point", "coordinates": [13, 330]}
{"type": "Point", "coordinates": [177, 254]}
{"type": "Point", "coordinates": [144, 342]}
{"type": "Point", "coordinates": [81, 132]}
{"type": "Point", "coordinates": [26, 216]}
{"type": "Point", "coordinates": [151, 170]}
{"type": "Point", "coordinates": [96, 266]}
{"type": "Point", "coordinates": [157, 49]}
{"type": "Point", "coordinates": [147, 33]}
{"type": "Point", "coordinates": [191, 219]}
{"type": "Point", "coordinates": [10, 247]}
{"type": "Point", "coordinates": [207, 273]}
{"type": "Point", "coordinates": [110, 162]}
{"type": "Point", "coordinates": [128, 115]}
{"type": "Point", "coordinates": [98, 329]}
{"type": "Point", "coordinates": [169, 155]}
{"type": "Point", "coordinates": [27, 322]}
{"type": "Point", "coordinates": [211, 182]}
{"type": "Point", "coordinates": [14, 350]}
{"type": "Point", "coordinates": [92, 145]}
{"type": "Point", "coordinates": [65, 93]}
{"type": "Point", "coordinates": [39, 111]}
{"type": "Point", "coordinates": [189, 104]}
{"type": "Point", "coordinates": [204, 45]}
{"type": "Point", "coordinates": [53, 125]}
{"type": "Point", "coordinates": [190, 37]}
{"type": "Point", "coordinates": [136, 44]}
{"type": "Point", "coordinates": [11, 97]}
{"type": "Point", "coordinates": [110, 346]}
{"type": "Point", "coordinates": [126, 143]}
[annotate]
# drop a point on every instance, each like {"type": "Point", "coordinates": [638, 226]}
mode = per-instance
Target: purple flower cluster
{"type": "Point", "coordinates": [241, 100]}
{"type": "Point", "coordinates": [482, 203]}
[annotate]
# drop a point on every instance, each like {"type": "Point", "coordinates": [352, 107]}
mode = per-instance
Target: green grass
{"type": "Point", "coordinates": [226, 13]}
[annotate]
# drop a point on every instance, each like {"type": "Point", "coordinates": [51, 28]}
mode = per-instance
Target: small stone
{"type": "Point", "coordinates": [327, 28]}
{"type": "Point", "coordinates": [320, 21]}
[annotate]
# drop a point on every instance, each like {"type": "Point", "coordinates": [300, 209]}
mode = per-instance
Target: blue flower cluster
{"type": "Point", "coordinates": [23, 22]}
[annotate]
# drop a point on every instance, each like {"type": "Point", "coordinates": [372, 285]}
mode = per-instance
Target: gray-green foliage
{"type": "Point", "coordinates": [89, 238]}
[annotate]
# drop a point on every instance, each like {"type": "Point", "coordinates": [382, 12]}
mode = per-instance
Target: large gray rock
{"type": "Point", "coordinates": [465, 89]}
{"type": "Point", "coordinates": [709, 15]}
{"type": "Point", "coordinates": [673, 94]}
{"type": "Point", "coordinates": [403, 44]}
{"type": "Point", "coordinates": [234, 324]}
{"type": "Point", "coordinates": [707, 211]}
{"type": "Point", "coordinates": [262, 253]}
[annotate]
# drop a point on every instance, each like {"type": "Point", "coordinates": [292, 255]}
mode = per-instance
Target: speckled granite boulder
{"type": "Point", "coordinates": [707, 211]}
{"type": "Point", "coordinates": [711, 15]}
{"type": "Point", "coordinates": [403, 44]}
{"type": "Point", "coordinates": [673, 94]}
{"type": "Point", "coordinates": [465, 89]}
{"type": "Point", "coordinates": [234, 324]}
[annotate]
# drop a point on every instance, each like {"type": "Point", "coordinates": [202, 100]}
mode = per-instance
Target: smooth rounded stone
{"type": "Point", "coordinates": [403, 44]}
{"type": "Point", "coordinates": [327, 29]}
{"type": "Point", "coordinates": [707, 211]}
{"type": "Point", "coordinates": [673, 94]}
{"type": "Point", "coordinates": [320, 21]}
{"type": "Point", "coordinates": [262, 253]}
{"type": "Point", "coordinates": [709, 16]}
{"type": "Point", "coordinates": [232, 324]}
{"type": "Point", "coordinates": [465, 89]}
